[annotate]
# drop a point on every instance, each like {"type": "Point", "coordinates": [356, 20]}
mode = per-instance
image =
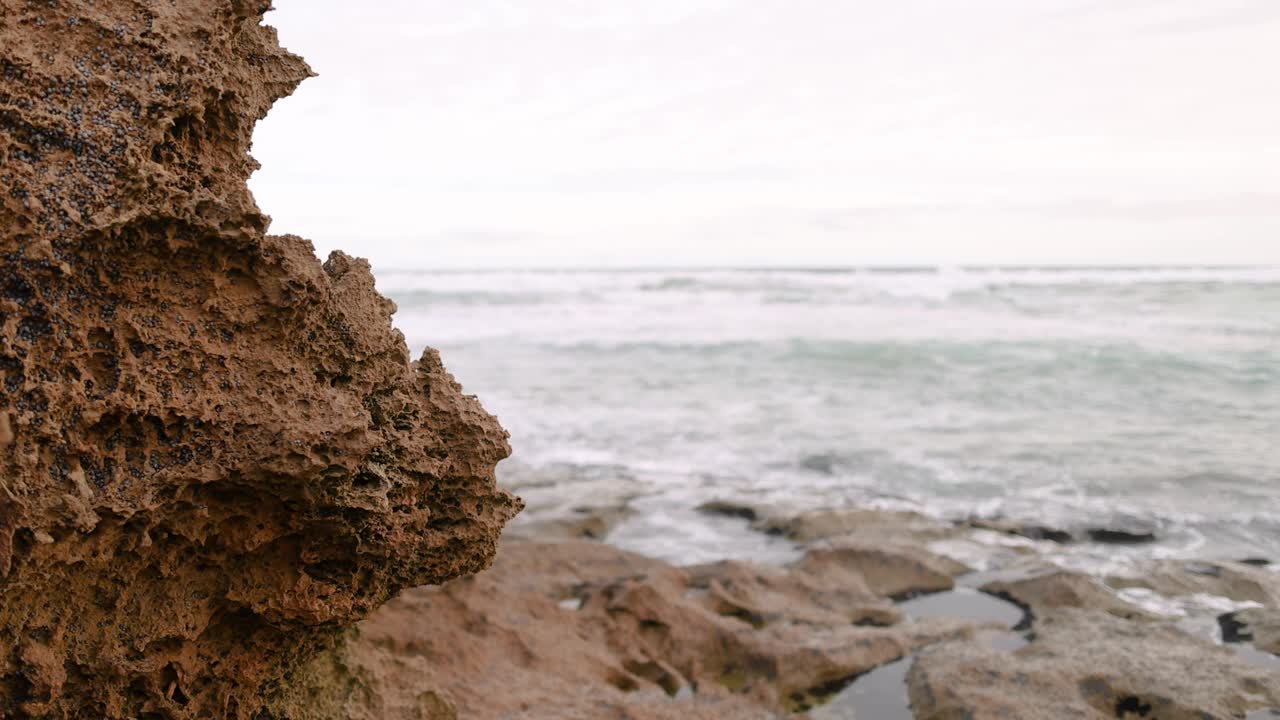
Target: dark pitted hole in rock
{"type": "Point", "coordinates": [623, 681]}
{"type": "Point", "coordinates": [1131, 707]}
{"type": "Point", "coordinates": [656, 673]}
{"type": "Point", "coordinates": [1233, 630]}
{"type": "Point", "coordinates": [874, 621]}
{"type": "Point", "coordinates": [654, 631]}
{"type": "Point", "coordinates": [1256, 561]}
{"type": "Point", "coordinates": [367, 481]}
{"type": "Point", "coordinates": [14, 691]}
{"type": "Point", "coordinates": [754, 619]}
{"type": "Point", "coordinates": [330, 571]}
{"type": "Point", "coordinates": [171, 685]}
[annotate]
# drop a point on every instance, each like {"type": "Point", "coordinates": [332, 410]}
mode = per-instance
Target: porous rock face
{"type": "Point", "coordinates": [215, 453]}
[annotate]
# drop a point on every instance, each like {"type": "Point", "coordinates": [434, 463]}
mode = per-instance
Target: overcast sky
{"type": "Point", "coordinates": [514, 133]}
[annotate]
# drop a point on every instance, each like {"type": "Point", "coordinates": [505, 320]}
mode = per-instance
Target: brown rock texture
{"type": "Point", "coordinates": [1091, 665]}
{"type": "Point", "coordinates": [897, 571]}
{"type": "Point", "coordinates": [1259, 626]}
{"type": "Point", "coordinates": [581, 630]}
{"type": "Point", "coordinates": [1045, 591]}
{"type": "Point", "coordinates": [215, 453]}
{"type": "Point", "coordinates": [1237, 581]}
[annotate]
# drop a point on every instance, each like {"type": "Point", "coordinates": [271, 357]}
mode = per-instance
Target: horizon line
{"type": "Point", "coordinates": [819, 268]}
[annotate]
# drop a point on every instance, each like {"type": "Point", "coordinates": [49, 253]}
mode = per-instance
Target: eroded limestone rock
{"type": "Point", "coordinates": [215, 452]}
{"type": "Point", "coordinates": [1087, 664]}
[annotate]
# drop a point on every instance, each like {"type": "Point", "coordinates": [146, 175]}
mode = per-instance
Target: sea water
{"type": "Point", "coordinates": [1063, 397]}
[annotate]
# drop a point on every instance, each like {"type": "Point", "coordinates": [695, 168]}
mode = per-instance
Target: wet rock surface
{"type": "Point", "coordinates": [215, 452]}
{"type": "Point", "coordinates": [1259, 627]}
{"type": "Point", "coordinates": [1090, 647]}
{"type": "Point", "coordinates": [898, 571]}
{"type": "Point", "coordinates": [1237, 581]}
{"type": "Point", "coordinates": [826, 524]}
{"type": "Point", "coordinates": [1119, 529]}
{"type": "Point", "coordinates": [1031, 531]}
{"type": "Point", "coordinates": [584, 630]}
{"type": "Point", "coordinates": [583, 522]}
{"type": "Point", "coordinates": [1086, 664]}
{"type": "Point", "coordinates": [1042, 592]}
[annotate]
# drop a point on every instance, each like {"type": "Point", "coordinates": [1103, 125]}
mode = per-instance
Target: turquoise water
{"type": "Point", "coordinates": [1064, 397]}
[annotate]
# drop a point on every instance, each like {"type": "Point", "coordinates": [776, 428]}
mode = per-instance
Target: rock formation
{"type": "Point", "coordinates": [1088, 664]}
{"type": "Point", "coordinates": [215, 453]}
{"type": "Point", "coordinates": [575, 629]}
{"type": "Point", "coordinates": [580, 631]}
{"type": "Point", "coordinates": [1043, 592]}
{"type": "Point", "coordinates": [217, 463]}
{"type": "Point", "coordinates": [1259, 626]}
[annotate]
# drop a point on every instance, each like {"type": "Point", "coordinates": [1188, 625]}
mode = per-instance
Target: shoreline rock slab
{"type": "Point", "coordinates": [584, 630]}
{"type": "Point", "coordinates": [1237, 581]}
{"type": "Point", "coordinates": [1042, 592]}
{"type": "Point", "coordinates": [1084, 664]}
{"type": "Point", "coordinates": [896, 571]}
{"type": "Point", "coordinates": [1258, 626]}
{"type": "Point", "coordinates": [814, 525]}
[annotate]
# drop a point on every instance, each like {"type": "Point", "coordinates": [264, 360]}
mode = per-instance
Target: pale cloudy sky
{"type": "Point", "coordinates": [515, 133]}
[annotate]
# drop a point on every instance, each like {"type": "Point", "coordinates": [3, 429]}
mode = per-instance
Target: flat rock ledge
{"type": "Point", "coordinates": [580, 629]}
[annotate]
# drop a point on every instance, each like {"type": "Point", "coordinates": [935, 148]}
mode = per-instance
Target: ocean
{"type": "Point", "coordinates": [1082, 397]}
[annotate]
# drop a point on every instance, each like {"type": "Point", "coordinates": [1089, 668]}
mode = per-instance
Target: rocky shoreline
{"type": "Point", "coordinates": [226, 490]}
{"type": "Point", "coordinates": [874, 620]}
